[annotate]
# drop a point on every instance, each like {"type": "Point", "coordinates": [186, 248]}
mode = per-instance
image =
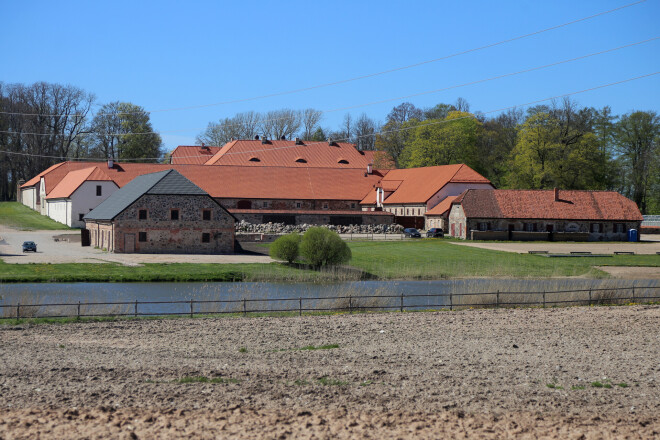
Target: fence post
{"type": "Point", "coordinates": [350, 304]}
{"type": "Point", "coordinates": [633, 295]}
{"type": "Point", "coordinates": [402, 301]}
{"type": "Point", "coordinates": [497, 300]}
{"type": "Point", "coordinates": [451, 300]}
{"type": "Point", "coordinates": [135, 310]}
{"type": "Point", "coordinates": [78, 310]}
{"type": "Point", "coordinates": [244, 307]}
{"type": "Point", "coordinates": [590, 296]}
{"type": "Point", "coordinates": [544, 299]}
{"type": "Point", "coordinates": [18, 310]}
{"type": "Point", "coordinates": [191, 307]}
{"type": "Point", "coordinates": [300, 306]}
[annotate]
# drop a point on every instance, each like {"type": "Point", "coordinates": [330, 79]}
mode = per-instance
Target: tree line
{"type": "Point", "coordinates": [559, 145]}
{"type": "Point", "coordinates": [43, 123]}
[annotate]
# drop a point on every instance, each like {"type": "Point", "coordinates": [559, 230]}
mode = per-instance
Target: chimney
{"type": "Point", "coordinates": [204, 147]}
{"type": "Point", "coordinates": [556, 194]}
{"type": "Point", "coordinates": [298, 141]}
{"type": "Point", "coordinates": [256, 137]}
{"type": "Point", "coordinates": [264, 140]}
{"type": "Point", "coordinates": [369, 170]}
{"type": "Point", "coordinates": [111, 163]}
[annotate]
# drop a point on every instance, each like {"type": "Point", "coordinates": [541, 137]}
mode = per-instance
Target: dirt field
{"type": "Point", "coordinates": [650, 244]}
{"type": "Point", "coordinates": [468, 374]}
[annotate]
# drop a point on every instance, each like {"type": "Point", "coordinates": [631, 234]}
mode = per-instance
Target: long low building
{"type": "Point", "coordinates": [548, 215]}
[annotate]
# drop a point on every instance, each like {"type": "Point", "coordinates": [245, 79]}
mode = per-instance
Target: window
{"type": "Point", "coordinates": [174, 214]}
{"type": "Point", "coordinates": [343, 161]}
{"type": "Point", "coordinates": [80, 217]}
{"type": "Point", "coordinates": [596, 227]}
{"type": "Point", "coordinates": [142, 214]}
{"type": "Point", "coordinates": [206, 214]}
{"type": "Point", "coordinates": [206, 237]}
{"type": "Point", "coordinates": [483, 226]}
{"type": "Point", "coordinates": [142, 236]}
{"type": "Point", "coordinates": [99, 190]}
{"type": "Point", "coordinates": [353, 205]}
{"type": "Point", "coordinates": [325, 205]}
{"type": "Point", "coordinates": [298, 205]}
{"type": "Point", "coordinates": [619, 227]}
{"type": "Point", "coordinates": [301, 160]}
{"type": "Point", "coordinates": [265, 204]}
{"type": "Point", "coordinates": [529, 227]}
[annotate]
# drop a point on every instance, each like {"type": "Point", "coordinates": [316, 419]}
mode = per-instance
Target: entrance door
{"type": "Point", "coordinates": [511, 228]}
{"type": "Point", "coordinates": [129, 243]}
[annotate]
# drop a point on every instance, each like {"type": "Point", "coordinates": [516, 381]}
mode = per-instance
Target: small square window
{"type": "Point", "coordinates": [206, 237]}
{"type": "Point", "coordinates": [265, 204]}
{"type": "Point", "coordinates": [353, 205]}
{"type": "Point", "coordinates": [142, 214]}
{"type": "Point", "coordinates": [325, 205]}
{"type": "Point", "coordinates": [206, 214]}
{"type": "Point", "coordinates": [142, 236]}
{"type": "Point", "coordinates": [80, 217]}
{"type": "Point", "coordinates": [99, 190]}
{"type": "Point", "coordinates": [298, 205]}
{"type": "Point", "coordinates": [174, 214]}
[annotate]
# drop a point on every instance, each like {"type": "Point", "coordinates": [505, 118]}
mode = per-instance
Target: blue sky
{"type": "Point", "coordinates": [168, 54]}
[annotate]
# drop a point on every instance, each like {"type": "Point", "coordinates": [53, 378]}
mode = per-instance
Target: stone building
{"type": "Point", "coordinates": [548, 215]}
{"type": "Point", "coordinates": [161, 212]}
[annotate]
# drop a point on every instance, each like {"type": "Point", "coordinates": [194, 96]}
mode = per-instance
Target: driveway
{"type": "Point", "coordinates": [63, 251]}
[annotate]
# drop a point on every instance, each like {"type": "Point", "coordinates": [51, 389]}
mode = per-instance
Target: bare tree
{"type": "Point", "coordinates": [310, 122]}
{"type": "Point", "coordinates": [462, 105]}
{"type": "Point", "coordinates": [281, 123]}
{"type": "Point", "coordinates": [365, 132]}
{"type": "Point", "coordinates": [404, 112]}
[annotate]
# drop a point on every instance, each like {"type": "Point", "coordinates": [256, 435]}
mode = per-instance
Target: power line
{"type": "Point", "coordinates": [519, 72]}
{"type": "Point", "coordinates": [423, 123]}
{"type": "Point", "coordinates": [357, 78]}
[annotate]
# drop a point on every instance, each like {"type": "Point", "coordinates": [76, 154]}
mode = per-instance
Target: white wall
{"type": "Point", "coordinates": [84, 199]}
{"type": "Point", "coordinates": [454, 189]}
{"type": "Point", "coordinates": [59, 210]}
{"type": "Point", "coordinates": [29, 197]}
{"type": "Point", "coordinates": [43, 207]}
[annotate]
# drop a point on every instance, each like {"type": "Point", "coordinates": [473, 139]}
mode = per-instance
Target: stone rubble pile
{"type": "Point", "coordinates": [281, 228]}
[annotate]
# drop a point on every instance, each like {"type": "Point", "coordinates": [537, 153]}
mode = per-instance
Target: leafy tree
{"type": "Point", "coordinates": [286, 248]}
{"type": "Point", "coordinates": [319, 135]}
{"type": "Point", "coordinates": [321, 247]}
{"type": "Point", "coordinates": [450, 141]}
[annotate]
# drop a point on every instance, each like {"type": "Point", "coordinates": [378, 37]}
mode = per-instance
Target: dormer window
{"type": "Point", "coordinates": [254, 159]}
{"type": "Point", "coordinates": [343, 161]}
{"type": "Point", "coordinates": [301, 160]}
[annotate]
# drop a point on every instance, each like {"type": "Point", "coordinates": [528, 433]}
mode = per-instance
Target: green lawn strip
{"type": "Point", "coordinates": [16, 215]}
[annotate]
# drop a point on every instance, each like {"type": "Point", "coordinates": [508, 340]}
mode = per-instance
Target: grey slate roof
{"type": "Point", "coordinates": [162, 182]}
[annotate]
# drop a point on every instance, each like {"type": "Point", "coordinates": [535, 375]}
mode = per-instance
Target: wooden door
{"type": "Point", "coordinates": [129, 243]}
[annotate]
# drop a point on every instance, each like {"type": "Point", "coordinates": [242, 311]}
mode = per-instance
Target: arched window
{"type": "Point", "coordinates": [301, 160]}
{"type": "Point", "coordinates": [343, 161]}
{"type": "Point", "coordinates": [254, 159]}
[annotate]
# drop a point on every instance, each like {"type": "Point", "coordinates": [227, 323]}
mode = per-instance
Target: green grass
{"type": "Point", "coordinates": [16, 215]}
{"type": "Point", "coordinates": [554, 386]}
{"type": "Point", "coordinates": [242, 350]}
{"type": "Point", "coordinates": [578, 387]}
{"type": "Point", "coordinates": [411, 260]}
{"type": "Point", "coordinates": [320, 347]}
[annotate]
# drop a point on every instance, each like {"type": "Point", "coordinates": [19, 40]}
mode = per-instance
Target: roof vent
{"type": "Point", "coordinates": [331, 142]}
{"type": "Point", "coordinates": [264, 140]}
{"type": "Point", "coordinates": [256, 137]}
{"type": "Point", "coordinates": [111, 163]}
{"type": "Point", "coordinates": [299, 141]}
{"type": "Point", "coordinates": [343, 161]}
{"type": "Point", "coordinates": [204, 147]}
{"type": "Point", "coordinates": [283, 138]}
{"type": "Point", "coordinates": [254, 159]}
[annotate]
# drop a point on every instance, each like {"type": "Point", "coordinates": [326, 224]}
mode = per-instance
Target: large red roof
{"type": "Point", "coordinates": [196, 155]}
{"type": "Point", "coordinates": [278, 153]}
{"type": "Point", "coordinates": [541, 204]}
{"type": "Point", "coordinates": [72, 181]}
{"type": "Point", "coordinates": [418, 185]}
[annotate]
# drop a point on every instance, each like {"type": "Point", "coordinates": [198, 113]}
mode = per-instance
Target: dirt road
{"type": "Point", "coordinates": [528, 373]}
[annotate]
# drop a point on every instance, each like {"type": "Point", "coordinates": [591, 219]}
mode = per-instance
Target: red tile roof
{"type": "Point", "coordinates": [443, 207]}
{"type": "Point", "coordinates": [418, 185]}
{"type": "Point", "coordinates": [192, 154]}
{"type": "Point", "coordinates": [541, 204]}
{"type": "Point", "coordinates": [36, 179]}
{"type": "Point", "coordinates": [308, 211]}
{"type": "Point", "coordinates": [72, 181]}
{"type": "Point", "coordinates": [277, 153]}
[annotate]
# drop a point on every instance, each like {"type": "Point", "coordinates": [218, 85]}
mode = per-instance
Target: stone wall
{"type": "Point", "coordinates": [163, 235]}
{"type": "Point", "coordinates": [292, 205]}
{"type": "Point", "coordinates": [319, 218]}
{"type": "Point", "coordinates": [244, 227]}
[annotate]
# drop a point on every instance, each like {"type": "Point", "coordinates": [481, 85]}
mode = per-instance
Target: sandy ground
{"type": "Point", "coordinates": [468, 374]}
{"type": "Point", "coordinates": [51, 251]}
{"type": "Point", "coordinates": [632, 273]}
{"type": "Point", "coordinates": [650, 244]}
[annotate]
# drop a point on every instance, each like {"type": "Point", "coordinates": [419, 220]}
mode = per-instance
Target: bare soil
{"type": "Point", "coordinates": [649, 245]}
{"type": "Point", "coordinates": [467, 374]}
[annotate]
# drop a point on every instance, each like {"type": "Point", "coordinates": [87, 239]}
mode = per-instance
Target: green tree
{"type": "Point", "coordinates": [434, 142]}
{"type": "Point", "coordinates": [286, 248]}
{"type": "Point", "coordinates": [321, 247]}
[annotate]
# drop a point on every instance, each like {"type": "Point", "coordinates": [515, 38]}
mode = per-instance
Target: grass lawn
{"type": "Point", "coordinates": [419, 259]}
{"type": "Point", "coordinates": [19, 216]}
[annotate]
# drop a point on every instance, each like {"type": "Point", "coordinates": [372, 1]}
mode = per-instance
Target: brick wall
{"type": "Point", "coordinates": [164, 235]}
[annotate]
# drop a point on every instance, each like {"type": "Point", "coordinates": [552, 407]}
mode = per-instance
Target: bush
{"type": "Point", "coordinates": [286, 248]}
{"type": "Point", "coordinates": [321, 247]}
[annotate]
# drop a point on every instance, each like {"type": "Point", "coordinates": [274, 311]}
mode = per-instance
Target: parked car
{"type": "Point", "coordinates": [435, 232]}
{"type": "Point", "coordinates": [29, 246]}
{"type": "Point", "coordinates": [412, 233]}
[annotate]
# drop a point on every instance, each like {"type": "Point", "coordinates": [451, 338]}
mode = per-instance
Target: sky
{"type": "Point", "coordinates": [165, 55]}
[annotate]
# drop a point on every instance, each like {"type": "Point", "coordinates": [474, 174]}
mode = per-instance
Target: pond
{"type": "Point", "coordinates": [61, 299]}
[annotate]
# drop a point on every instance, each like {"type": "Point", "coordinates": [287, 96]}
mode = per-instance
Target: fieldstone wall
{"type": "Point", "coordinates": [318, 218]}
{"type": "Point", "coordinates": [164, 235]}
{"type": "Point", "coordinates": [292, 205]}
{"type": "Point", "coordinates": [280, 228]}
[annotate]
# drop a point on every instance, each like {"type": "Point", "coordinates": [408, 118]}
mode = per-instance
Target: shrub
{"type": "Point", "coordinates": [286, 248]}
{"type": "Point", "coordinates": [322, 247]}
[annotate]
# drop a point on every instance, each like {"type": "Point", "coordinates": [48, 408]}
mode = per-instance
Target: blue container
{"type": "Point", "coordinates": [632, 235]}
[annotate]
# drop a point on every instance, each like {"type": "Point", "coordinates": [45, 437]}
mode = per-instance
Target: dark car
{"type": "Point", "coordinates": [412, 233]}
{"type": "Point", "coordinates": [435, 232]}
{"type": "Point", "coordinates": [29, 246]}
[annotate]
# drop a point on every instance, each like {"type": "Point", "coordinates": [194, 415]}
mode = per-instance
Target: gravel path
{"type": "Point", "coordinates": [396, 375]}
{"type": "Point", "coordinates": [650, 244]}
